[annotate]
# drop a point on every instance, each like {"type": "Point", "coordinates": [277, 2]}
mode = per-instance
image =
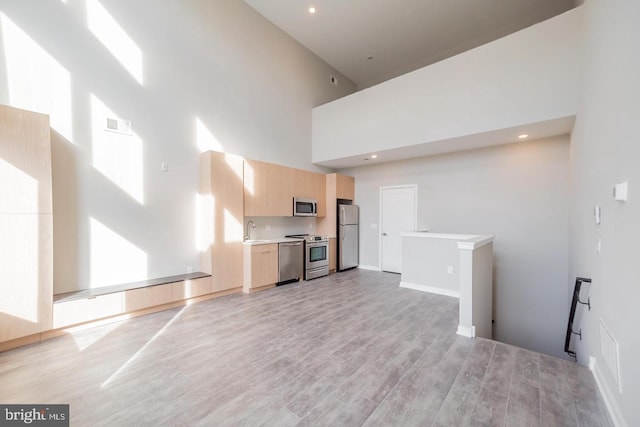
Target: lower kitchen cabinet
{"type": "Point", "coordinates": [332, 254]}
{"type": "Point", "coordinates": [260, 267]}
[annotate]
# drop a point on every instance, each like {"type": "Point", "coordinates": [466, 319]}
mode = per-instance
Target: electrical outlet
{"type": "Point", "coordinates": [164, 166]}
{"type": "Point", "coordinates": [189, 269]}
{"type": "Point", "coordinates": [267, 227]}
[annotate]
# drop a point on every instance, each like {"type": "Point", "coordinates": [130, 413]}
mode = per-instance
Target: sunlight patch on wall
{"type": "Point", "coordinates": [205, 139]}
{"type": "Point", "coordinates": [114, 260]}
{"type": "Point", "coordinates": [115, 39]}
{"type": "Point", "coordinates": [205, 232]}
{"type": "Point", "coordinates": [36, 81]}
{"type": "Point", "coordinates": [117, 156]}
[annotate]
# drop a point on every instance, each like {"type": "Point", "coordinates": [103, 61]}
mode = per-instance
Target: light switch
{"type": "Point", "coordinates": [164, 166]}
{"type": "Point", "coordinates": [596, 213]}
{"type": "Point", "coordinates": [620, 192]}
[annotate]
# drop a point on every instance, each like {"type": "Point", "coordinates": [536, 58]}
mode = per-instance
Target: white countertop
{"type": "Point", "coordinates": [465, 241]}
{"type": "Point", "coordinates": [270, 241]}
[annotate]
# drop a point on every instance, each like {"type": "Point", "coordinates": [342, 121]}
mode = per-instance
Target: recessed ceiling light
{"type": "Point", "coordinates": [312, 10]}
{"type": "Point", "coordinates": [523, 136]}
{"type": "Point", "coordinates": [374, 156]}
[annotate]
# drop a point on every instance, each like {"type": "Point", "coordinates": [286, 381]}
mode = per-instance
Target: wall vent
{"type": "Point", "coordinates": [610, 354]}
{"type": "Point", "coordinates": [119, 126]}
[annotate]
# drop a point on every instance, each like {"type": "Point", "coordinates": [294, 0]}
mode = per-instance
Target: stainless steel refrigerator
{"type": "Point", "coordinates": [348, 230]}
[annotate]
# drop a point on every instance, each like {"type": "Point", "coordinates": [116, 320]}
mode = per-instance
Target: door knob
{"type": "Point", "coordinates": [384, 234]}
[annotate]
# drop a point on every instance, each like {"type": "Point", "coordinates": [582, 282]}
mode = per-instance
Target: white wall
{"type": "Point", "coordinates": [526, 77]}
{"type": "Point", "coordinates": [425, 262]}
{"type": "Point", "coordinates": [605, 151]}
{"type": "Point", "coordinates": [191, 75]}
{"type": "Point", "coordinates": [517, 192]}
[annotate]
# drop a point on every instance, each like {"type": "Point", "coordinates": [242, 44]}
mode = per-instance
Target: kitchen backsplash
{"type": "Point", "coordinates": [271, 227]}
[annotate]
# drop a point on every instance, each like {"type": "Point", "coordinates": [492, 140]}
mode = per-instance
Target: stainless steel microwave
{"type": "Point", "coordinates": [305, 207]}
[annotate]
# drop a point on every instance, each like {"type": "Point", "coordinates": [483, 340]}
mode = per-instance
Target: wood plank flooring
{"type": "Point", "coordinates": [350, 349]}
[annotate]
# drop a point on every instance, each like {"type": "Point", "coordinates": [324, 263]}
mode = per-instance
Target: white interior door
{"type": "Point", "coordinates": [398, 214]}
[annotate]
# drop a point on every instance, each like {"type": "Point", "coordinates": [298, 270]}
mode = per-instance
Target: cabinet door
{"type": "Point", "coordinates": [332, 254]}
{"type": "Point", "coordinates": [26, 224]}
{"type": "Point", "coordinates": [318, 189]}
{"type": "Point", "coordinates": [222, 183]}
{"type": "Point", "coordinates": [280, 195]}
{"type": "Point", "coordinates": [25, 161]}
{"type": "Point", "coordinates": [26, 271]}
{"type": "Point", "coordinates": [264, 265]}
{"type": "Point", "coordinates": [345, 187]}
{"type": "Point", "coordinates": [256, 188]}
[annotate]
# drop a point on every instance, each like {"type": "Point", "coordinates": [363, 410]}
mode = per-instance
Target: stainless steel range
{"type": "Point", "coordinates": [316, 259]}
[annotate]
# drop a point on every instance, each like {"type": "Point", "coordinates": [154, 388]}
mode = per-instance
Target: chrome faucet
{"type": "Point", "coordinates": [253, 227]}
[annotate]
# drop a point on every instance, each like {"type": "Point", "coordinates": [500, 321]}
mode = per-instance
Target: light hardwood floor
{"type": "Point", "coordinates": [349, 349]}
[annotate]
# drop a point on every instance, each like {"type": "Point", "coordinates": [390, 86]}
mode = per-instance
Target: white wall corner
{"type": "Point", "coordinates": [467, 331]}
{"type": "Point", "coordinates": [607, 395]}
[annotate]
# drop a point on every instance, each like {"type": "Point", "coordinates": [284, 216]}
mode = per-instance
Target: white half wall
{"type": "Point", "coordinates": [517, 192]}
{"type": "Point", "coordinates": [528, 77]}
{"type": "Point", "coordinates": [189, 75]}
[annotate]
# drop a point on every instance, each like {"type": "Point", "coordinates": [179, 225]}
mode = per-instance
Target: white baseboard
{"type": "Point", "coordinates": [430, 289]}
{"type": "Point", "coordinates": [467, 331]}
{"type": "Point", "coordinates": [369, 267]}
{"type": "Point", "coordinates": [607, 395]}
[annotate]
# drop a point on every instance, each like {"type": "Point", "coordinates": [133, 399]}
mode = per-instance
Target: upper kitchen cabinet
{"type": "Point", "coordinates": [26, 224]}
{"type": "Point", "coordinates": [221, 192]}
{"type": "Point", "coordinates": [310, 185]}
{"type": "Point", "coordinates": [267, 189]}
{"type": "Point", "coordinates": [279, 194]}
{"type": "Point", "coordinates": [345, 187]}
{"type": "Point", "coordinates": [336, 187]}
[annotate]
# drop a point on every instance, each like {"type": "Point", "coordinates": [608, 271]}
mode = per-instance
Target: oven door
{"type": "Point", "coordinates": [317, 255]}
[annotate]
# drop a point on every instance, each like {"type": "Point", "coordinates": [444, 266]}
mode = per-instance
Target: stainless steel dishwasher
{"type": "Point", "coordinates": [290, 261]}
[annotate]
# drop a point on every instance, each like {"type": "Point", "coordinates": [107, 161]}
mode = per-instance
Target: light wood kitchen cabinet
{"type": "Point", "coordinates": [317, 184]}
{"type": "Point", "coordinates": [333, 257]}
{"type": "Point", "coordinates": [260, 267]}
{"type": "Point", "coordinates": [309, 185]}
{"type": "Point", "coordinates": [345, 187]}
{"type": "Point", "coordinates": [280, 194]}
{"type": "Point", "coordinates": [221, 211]}
{"type": "Point", "coordinates": [26, 224]}
{"type": "Point", "coordinates": [267, 189]}
{"type": "Point", "coordinates": [337, 187]}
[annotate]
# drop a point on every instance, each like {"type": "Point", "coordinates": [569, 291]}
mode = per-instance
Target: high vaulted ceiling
{"type": "Point", "coordinates": [371, 41]}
